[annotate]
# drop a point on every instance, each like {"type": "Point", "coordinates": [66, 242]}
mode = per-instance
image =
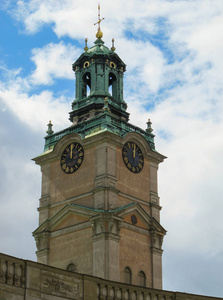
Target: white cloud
{"type": "Point", "coordinates": [35, 110]}
{"type": "Point", "coordinates": [53, 61]}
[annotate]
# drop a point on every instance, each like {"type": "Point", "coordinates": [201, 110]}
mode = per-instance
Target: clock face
{"type": "Point", "coordinates": [72, 158]}
{"type": "Point", "coordinates": [132, 157]}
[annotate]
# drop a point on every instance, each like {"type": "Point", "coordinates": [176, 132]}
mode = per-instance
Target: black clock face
{"type": "Point", "coordinates": [133, 157]}
{"type": "Point", "coordinates": [72, 158]}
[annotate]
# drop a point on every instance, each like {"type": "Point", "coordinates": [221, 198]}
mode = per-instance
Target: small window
{"type": "Point", "coordinates": [71, 268]}
{"type": "Point", "coordinates": [86, 64]}
{"type": "Point", "coordinates": [142, 278]}
{"type": "Point", "coordinates": [127, 275]}
{"type": "Point", "coordinates": [113, 85]}
{"type": "Point", "coordinates": [86, 86]}
{"type": "Point", "coordinates": [112, 65]}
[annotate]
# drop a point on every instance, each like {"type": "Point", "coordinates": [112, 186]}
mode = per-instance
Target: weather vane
{"type": "Point", "coordinates": [99, 34]}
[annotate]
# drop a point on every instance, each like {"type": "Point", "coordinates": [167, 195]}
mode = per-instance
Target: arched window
{"type": "Point", "coordinates": [86, 87]}
{"type": "Point", "coordinates": [142, 278]}
{"type": "Point", "coordinates": [127, 275]}
{"type": "Point", "coordinates": [72, 268]}
{"type": "Point", "coordinates": [112, 85]}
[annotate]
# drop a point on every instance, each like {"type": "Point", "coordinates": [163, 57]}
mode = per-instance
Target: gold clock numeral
{"type": "Point", "coordinates": [126, 159]}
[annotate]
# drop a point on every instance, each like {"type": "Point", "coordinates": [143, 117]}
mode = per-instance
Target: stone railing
{"type": "Point", "coordinates": [130, 292]}
{"type": "Point", "coordinates": [102, 121]}
{"type": "Point", "coordinates": [27, 280]}
{"type": "Point", "coordinates": [12, 271]}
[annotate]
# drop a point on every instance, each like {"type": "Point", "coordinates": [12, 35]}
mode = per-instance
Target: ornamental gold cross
{"type": "Point", "coordinates": [99, 19]}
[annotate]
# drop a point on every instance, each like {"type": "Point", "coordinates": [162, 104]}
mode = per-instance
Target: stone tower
{"type": "Point", "coordinates": [99, 209]}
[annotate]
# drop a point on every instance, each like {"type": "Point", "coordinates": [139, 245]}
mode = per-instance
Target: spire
{"type": "Point", "coordinates": [113, 45]}
{"type": "Point", "coordinates": [149, 127]}
{"type": "Point", "coordinates": [50, 130]}
{"type": "Point", "coordinates": [99, 33]}
{"type": "Point", "coordinates": [86, 47]}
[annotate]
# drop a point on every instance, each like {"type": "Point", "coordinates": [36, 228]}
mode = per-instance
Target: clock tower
{"type": "Point", "coordinates": [99, 211]}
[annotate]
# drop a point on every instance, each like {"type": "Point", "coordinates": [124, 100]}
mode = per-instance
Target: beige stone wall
{"type": "Point", "coordinates": [136, 185]}
{"type": "Point", "coordinates": [130, 256]}
{"type": "Point", "coordinates": [64, 186]}
{"type": "Point", "coordinates": [75, 247]}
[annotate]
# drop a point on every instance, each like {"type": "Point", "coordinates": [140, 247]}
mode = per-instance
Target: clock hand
{"type": "Point", "coordinates": [134, 151]}
{"type": "Point", "coordinates": [71, 150]}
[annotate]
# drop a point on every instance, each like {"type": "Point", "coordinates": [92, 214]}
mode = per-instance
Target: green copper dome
{"type": "Point", "coordinates": [99, 48]}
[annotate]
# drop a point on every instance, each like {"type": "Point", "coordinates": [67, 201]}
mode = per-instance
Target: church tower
{"type": "Point", "coordinates": [99, 211]}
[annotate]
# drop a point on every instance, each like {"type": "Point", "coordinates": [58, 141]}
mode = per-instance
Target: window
{"type": "Point", "coordinates": [86, 87]}
{"type": "Point", "coordinates": [142, 278]}
{"type": "Point", "coordinates": [113, 85]}
{"type": "Point", "coordinates": [71, 268]}
{"type": "Point", "coordinates": [127, 275]}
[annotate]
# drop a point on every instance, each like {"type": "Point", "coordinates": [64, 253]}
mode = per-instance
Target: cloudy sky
{"type": "Point", "coordinates": [174, 55]}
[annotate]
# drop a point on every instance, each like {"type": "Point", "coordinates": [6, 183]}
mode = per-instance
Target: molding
{"type": "Point", "coordinates": [73, 199]}
{"type": "Point", "coordinates": [133, 199]}
{"type": "Point", "coordinates": [155, 250]}
{"type": "Point", "coordinates": [70, 229]}
{"type": "Point", "coordinates": [106, 236]}
{"type": "Point", "coordinates": [135, 228]}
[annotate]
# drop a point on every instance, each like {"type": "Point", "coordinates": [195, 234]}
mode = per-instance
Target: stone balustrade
{"type": "Point", "coordinates": [118, 291]}
{"type": "Point", "coordinates": [27, 280]}
{"type": "Point", "coordinates": [12, 271]}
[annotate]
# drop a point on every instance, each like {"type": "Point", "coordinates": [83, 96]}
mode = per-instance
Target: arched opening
{"type": "Point", "coordinates": [112, 85]}
{"type": "Point", "coordinates": [72, 268]}
{"type": "Point", "coordinates": [127, 275]}
{"type": "Point", "coordinates": [86, 87]}
{"type": "Point", "coordinates": [142, 278]}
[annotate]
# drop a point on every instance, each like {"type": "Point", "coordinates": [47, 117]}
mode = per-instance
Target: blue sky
{"type": "Point", "coordinates": [173, 51]}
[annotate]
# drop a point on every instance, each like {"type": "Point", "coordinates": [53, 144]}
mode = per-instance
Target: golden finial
{"type": "Point", "coordinates": [113, 45]}
{"type": "Point", "coordinates": [99, 33]}
{"type": "Point", "coordinates": [49, 130]}
{"type": "Point", "coordinates": [86, 47]}
{"type": "Point", "coordinates": [149, 128]}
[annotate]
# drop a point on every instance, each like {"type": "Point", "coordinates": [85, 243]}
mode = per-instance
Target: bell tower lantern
{"type": "Point", "coordinates": [99, 75]}
{"type": "Point", "coordinates": [99, 210]}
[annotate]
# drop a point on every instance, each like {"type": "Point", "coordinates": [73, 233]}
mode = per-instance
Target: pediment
{"type": "Point", "coordinates": [68, 220]}
{"type": "Point", "coordinates": [69, 215]}
{"type": "Point", "coordinates": [142, 219]}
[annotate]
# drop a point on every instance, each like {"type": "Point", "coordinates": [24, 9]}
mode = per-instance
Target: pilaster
{"type": "Point", "coordinates": [154, 198]}
{"type": "Point", "coordinates": [156, 257]}
{"type": "Point", "coordinates": [105, 193]}
{"type": "Point", "coordinates": [106, 239]}
{"type": "Point", "coordinates": [42, 245]}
